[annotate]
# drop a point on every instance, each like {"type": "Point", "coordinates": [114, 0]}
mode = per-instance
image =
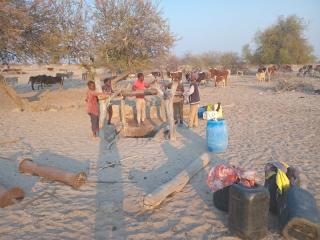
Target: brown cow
{"type": "Point", "coordinates": [271, 71]}
{"type": "Point", "coordinates": [286, 68]}
{"type": "Point", "coordinates": [175, 75]}
{"type": "Point", "coordinates": [219, 75]}
{"type": "Point", "coordinates": [157, 74]}
{"type": "Point", "coordinates": [317, 68]}
{"type": "Point", "coordinates": [263, 71]}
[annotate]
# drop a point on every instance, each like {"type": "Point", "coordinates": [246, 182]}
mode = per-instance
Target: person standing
{"type": "Point", "coordinates": [194, 99]}
{"type": "Point", "coordinates": [93, 107]}
{"type": "Point", "coordinates": [107, 89]}
{"type": "Point", "coordinates": [139, 84]}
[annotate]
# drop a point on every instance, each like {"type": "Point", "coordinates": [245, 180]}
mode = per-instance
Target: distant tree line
{"type": "Point", "coordinates": [281, 43]}
{"type": "Point", "coordinates": [126, 34]}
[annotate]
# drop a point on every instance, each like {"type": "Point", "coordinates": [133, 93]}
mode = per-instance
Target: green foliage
{"type": "Point", "coordinates": [212, 58]}
{"type": "Point", "coordinates": [129, 34]}
{"type": "Point", "coordinates": [282, 43]}
{"type": "Point", "coordinates": [47, 31]}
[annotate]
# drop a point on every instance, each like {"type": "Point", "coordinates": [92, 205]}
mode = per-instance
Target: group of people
{"type": "Point", "coordinates": [192, 93]}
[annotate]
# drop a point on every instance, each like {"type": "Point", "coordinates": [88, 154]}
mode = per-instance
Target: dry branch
{"type": "Point", "coordinates": [155, 198]}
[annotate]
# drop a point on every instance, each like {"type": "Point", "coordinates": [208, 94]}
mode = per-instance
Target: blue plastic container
{"type": "Point", "coordinates": [201, 110]}
{"type": "Point", "coordinates": [217, 136]}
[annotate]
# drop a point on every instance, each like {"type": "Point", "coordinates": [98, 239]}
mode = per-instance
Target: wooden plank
{"type": "Point", "coordinates": [155, 198]}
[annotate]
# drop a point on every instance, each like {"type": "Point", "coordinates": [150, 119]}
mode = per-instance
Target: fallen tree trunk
{"type": "Point", "coordinates": [75, 180]}
{"type": "Point", "coordinates": [7, 196]}
{"type": "Point", "coordinates": [155, 198]}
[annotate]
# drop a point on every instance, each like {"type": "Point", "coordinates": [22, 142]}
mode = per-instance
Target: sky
{"type": "Point", "coordinates": [227, 25]}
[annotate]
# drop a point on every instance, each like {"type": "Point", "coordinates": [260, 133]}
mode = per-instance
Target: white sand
{"type": "Point", "coordinates": [262, 125]}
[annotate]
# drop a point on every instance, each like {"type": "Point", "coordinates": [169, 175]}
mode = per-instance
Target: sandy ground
{"type": "Point", "coordinates": [262, 125]}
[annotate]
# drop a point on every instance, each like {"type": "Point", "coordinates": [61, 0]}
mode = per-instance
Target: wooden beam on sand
{"type": "Point", "coordinates": [27, 165]}
{"type": "Point", "coordinates": [155, 198]}
{"type": "Point", "coordinates": [8, 196]}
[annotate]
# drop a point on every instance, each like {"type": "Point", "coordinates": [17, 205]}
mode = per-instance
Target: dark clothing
{"type": "Point", "coordinates": [178, 111]}
{"type": "Point", "coordinates": [179, 94]}
{"type": "Point", "coordinates": [94, 122]}
{"type": "Point", "coordinates": [195, 96]}
{"type": "Point", "coordinates": [107, 88]}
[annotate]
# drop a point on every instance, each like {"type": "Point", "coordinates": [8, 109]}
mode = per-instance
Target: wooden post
{"type": "Point", "coordinates": [168, 101]}
{"type": "Point", "coordinates": [26, 165]}
{"type": "Point", "coordinates": [163, 110]}
{"type": "Point", "coordinates": [123, 116]}
{"type": "Point", "coordinates": [155, 198]}
{"type": "Point", "coordinates": [7, 197]}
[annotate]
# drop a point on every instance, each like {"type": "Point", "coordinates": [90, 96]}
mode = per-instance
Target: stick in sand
{"type": "Point", "coordinates": [75, 180]}
{"type": "Point", "coordinates": [7, 196]}
{"type": "Point", "coordinates": [155, 198]}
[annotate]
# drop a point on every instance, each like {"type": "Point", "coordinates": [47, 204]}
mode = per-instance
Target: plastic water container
{"type": "Point", "coordinates": [249, 211]}
{"type": "Point", "coordinates": [201, 110]}
{"type": "Point", "coordinates": [221, 199]}
{"type": "Point", "coordinates": [217, 136]}
{"type": "Point", "coordinates": [298, 215]}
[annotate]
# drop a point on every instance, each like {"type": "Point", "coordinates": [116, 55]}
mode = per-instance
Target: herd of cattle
{"type": "Point", "coordinates": [217, 76]}
{"type": "Point", "coordinates": [201, 77]}
{"type": "Point", "coordinates": [44, 80]}
{"type": "Point", "coordinates": [221, 76]}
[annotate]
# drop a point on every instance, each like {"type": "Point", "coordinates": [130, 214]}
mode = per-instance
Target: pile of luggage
{"type": "Point", "coordinates": [248, 203]}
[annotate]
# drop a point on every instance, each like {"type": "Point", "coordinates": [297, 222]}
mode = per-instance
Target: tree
{"type": "Point", "coordinates": [128, 34]}
{"type": "Point", "coordinates": [47, 31]}
{"type": "Point", "coordinates": [246, 54]}
{"type": "Point", "coordinates": [13, 19]}
{"type": "Point", "coordinates": [282, 43]}
{"type": "Point", "coordinates": [229, 59]}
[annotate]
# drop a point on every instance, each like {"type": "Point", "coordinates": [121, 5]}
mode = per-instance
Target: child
{"type": "Point", "coordinates": [107, 89]}
{"type": "Point", "coordinates": [93, 107]}
{"type": "Point", "coordinates": [194, 99]}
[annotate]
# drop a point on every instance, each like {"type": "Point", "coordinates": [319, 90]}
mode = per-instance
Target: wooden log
{"type": "Point", "coordinates": [75, 180]}
{"type": "Point", "coordinates": [7, 196]}
{"type": "Point", "coordinates": [131, 93]}
{"type": "Point", "coordinates": [155, 198]}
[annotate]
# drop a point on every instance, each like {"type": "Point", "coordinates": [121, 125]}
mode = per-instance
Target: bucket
{"type": "Point", "coordinates": [217, 136]}
{"type": "Point", "coordinates": [201, 110]}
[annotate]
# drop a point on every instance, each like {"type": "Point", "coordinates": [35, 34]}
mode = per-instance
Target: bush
{"type": "Point", "coordinates": [294, 84]}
